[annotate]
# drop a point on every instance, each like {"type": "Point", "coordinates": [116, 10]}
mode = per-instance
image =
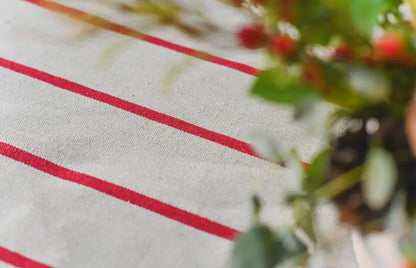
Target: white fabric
{"type": "Point", "coordinates": [63, 224]}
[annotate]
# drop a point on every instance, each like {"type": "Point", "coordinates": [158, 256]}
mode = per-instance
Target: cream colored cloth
{"type": "Point", "coordinates": [65, 224]}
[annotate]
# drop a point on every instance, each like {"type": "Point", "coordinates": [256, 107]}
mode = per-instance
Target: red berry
{"type": "Point", "coordinates": [252, 36]}
{"type": "Point", "coordinates": [311, 73]}
{"type": "Point", "coordinates": [283, 45]}
{"type": "Point", "coordinates": [391, 46]}
{"type": "Point", "coordinates": [343, 52]}
{"type": "Point", "coordinates": [312, 76]}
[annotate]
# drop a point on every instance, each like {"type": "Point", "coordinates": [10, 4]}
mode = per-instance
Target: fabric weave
{"type": "Point", "coordinates": [50, 134]}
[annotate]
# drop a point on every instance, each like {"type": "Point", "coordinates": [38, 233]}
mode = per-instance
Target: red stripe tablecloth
{"type": "Point", "coordinates": [99, 167]}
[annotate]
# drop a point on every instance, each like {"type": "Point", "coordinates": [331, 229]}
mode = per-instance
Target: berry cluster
{"type": "Point", "coordinates": [255, 36]}
{"type": "Point", "coordinates": [389, 47]}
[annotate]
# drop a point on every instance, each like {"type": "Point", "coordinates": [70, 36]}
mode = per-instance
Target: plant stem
{"type": "Point", "coordinates": [340, 183]}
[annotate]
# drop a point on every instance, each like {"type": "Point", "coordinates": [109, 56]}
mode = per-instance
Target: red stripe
{"type": "Point", "coordinates": [124, 30]}
{"type": "Point", "coordinates": [119, 192]}
{"type": "Point", "coordinates": [19, 260]}
{"type": "Point", "coordinates": [165, 119]}
{"type": "Point", "coordinates": [130, 107]}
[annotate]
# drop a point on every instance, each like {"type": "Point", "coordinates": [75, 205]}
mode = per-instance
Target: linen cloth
{"type": "Point", "coordinates": [47, 218]}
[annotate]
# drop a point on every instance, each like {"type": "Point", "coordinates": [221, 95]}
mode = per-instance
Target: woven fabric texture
{"type": "Point", "coordinates": [101, 167]}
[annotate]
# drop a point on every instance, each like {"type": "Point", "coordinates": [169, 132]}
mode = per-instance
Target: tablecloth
{"type": "Point", "coordinates": [101, 167]}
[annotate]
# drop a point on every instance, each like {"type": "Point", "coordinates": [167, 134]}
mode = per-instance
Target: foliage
{"type": "Point", "coordinates": [260, 247]}
{"type": "Point", "coordinates": [361, 56]}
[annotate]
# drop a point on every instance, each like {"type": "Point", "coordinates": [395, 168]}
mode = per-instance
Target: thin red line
{"type": "Point", "coordinates": [130, 107]}
{"type": "Point", "coordinates": [19, 260]}
{"type": "Point", "coordinates": [119, 192]}
{"type": "Point", "coordinates": [124, 30]}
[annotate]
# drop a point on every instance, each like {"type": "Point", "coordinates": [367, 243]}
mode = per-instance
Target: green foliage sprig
{"type": "Point", "coordinates": [361, 56]}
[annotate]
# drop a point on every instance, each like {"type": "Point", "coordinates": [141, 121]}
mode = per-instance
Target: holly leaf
{"type": "Point", "coordinates": [279, 87]}
{"type": "Point", "coordinates": [379, 177]}
{"type": "Point", "coordinates": [365, 14]}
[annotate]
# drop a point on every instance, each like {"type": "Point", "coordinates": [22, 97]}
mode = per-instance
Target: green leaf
{"type": "Point", "coordinates": [313, 22]}
{"type": "Point", "coordinates": [290, 199]}
{"type": "Point", "coordinates": [303, 215]}
{"type": "Point", "coordinates": [316, 172]}
{"type": "Point", "coordinates": [279, 87]}
{"type": "Point", "coordinates": [379, 177]}
{"type": "Point", "coordinates": [257, 248]}
{"type": "Point", "coordinates": [365, 14]}
{"type": "Point", "coordinates": [291, 246]}
{"type": "Point", "coordinates": [261, 248]}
